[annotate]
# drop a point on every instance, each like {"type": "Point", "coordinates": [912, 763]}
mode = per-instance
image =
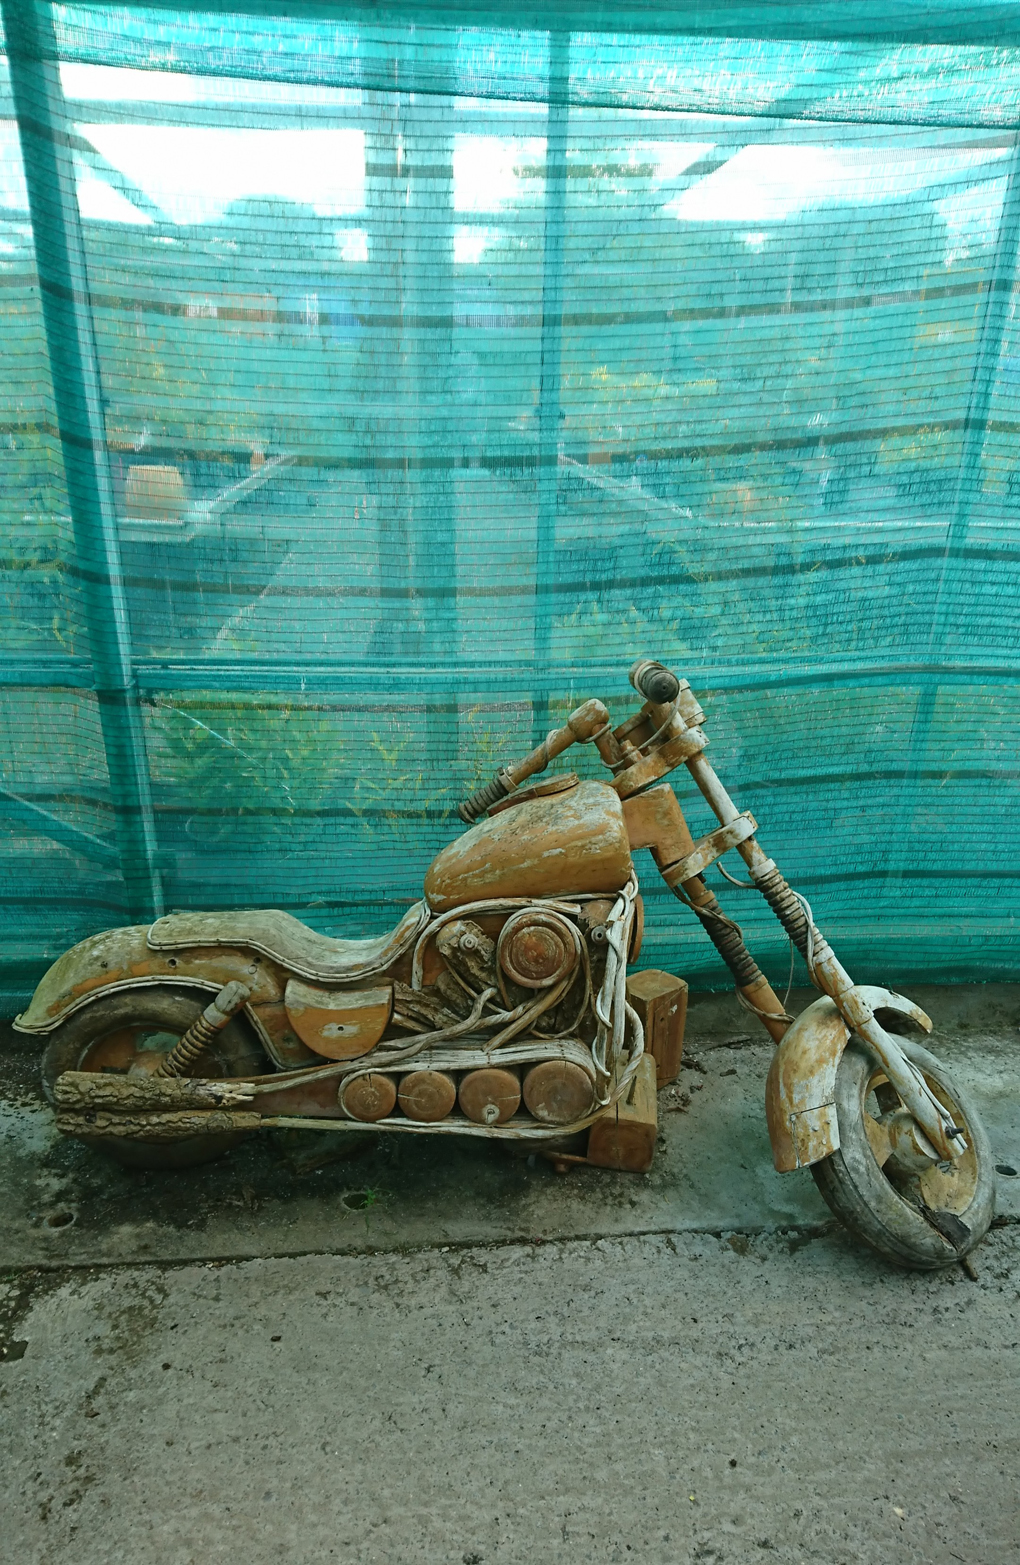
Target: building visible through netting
{"type": "Point", "coordinates": [376, 391]}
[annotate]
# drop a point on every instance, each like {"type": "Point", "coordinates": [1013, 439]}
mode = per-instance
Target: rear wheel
{"type": "Point", "coordinates": [919, 1214]}
{"type": "Point", "coordinates": [127, 1033]}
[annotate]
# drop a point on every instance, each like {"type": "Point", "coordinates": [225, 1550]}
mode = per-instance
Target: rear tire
{"type": "Point", "coordinates": [885, 1206]}
{"type": "Point", "coordinates": [113, 1030]}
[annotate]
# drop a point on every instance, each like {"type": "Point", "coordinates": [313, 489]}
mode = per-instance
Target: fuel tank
{"type": "Point", "coordinates": [558, 845]}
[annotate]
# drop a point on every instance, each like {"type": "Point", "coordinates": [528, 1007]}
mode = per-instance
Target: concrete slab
{"type": "Point", "coordinates": [64, 1205]}
{"type": "Point", "coordinates": [671, 1401]}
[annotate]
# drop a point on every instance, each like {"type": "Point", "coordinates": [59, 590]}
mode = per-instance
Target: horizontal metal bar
{"type": "Point", "coordinates": [41, 672]}
{"type": "Point", "coordinates": [513, 120]}
{"type": "Point", "coordinates": [35, 819]}
{"type": "Point", "coordinates": [995, 22]}
{"type": "Point", "coordinates": [410, 684]}
{"type": "Point", "coordinates": [517, 121]}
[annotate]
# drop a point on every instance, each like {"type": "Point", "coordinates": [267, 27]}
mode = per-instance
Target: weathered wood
{"type": "Point", "coordinates": [339, 1024]}
{"type": "Point", "coordinates": [537, 948]}
{"type": "Point", "coordinates": [469, 951]}
{"type": "Point", "coordinates": [423, 1005]}
{"type": "Point", "coordinates": [522, 853]}
{"type": "Point", "coordinates": [454, 994]}
{"type": "Point", "coordinates": [81, 1090]}
{"type": "Point", "coordinates": [156, 1127]}
{"type": "Point", "coordinates": [285, 1048]}
{"type": "Point", "coordinates": [624, 1136]}
{"type": "Point", "coordinates": [558, 1092]}
{"type": "Point", "coordinates": [644, 769]}
{"type": "Point", "coordinates": [656, 821]}
{"type": "Point", "coordinates": [540, 790]}
{"type": "Point", "coordinates": [489, 1096]}
{"type": "Point", "coordinates": [369, 1097]}
{"type": "Point", "coordinates": [660, 1001]}
{"type": "Point", "coordinates": [709, 848]}
{"type": "Point", "coordinates": [427, 1095]}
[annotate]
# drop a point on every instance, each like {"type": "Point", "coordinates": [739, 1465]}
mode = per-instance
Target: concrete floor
{"type": "Point", "coordinates": [661, 1400]}
{"type": "Point", "coordinates": [237, 1365]}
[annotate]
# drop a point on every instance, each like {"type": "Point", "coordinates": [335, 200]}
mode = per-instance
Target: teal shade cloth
{"type": "Point", "coordinates": [378, 383]}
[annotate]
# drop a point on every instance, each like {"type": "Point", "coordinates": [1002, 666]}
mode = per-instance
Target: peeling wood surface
{"type": "Point", "coordinates": [286, 940]}
{"type": "Point", "coordinates": [564, 844]}
{"type": "Point", "coordinates": [338, 1024]}
{"type": "Point", "coordinates": [121, 959]}
{"type": "Point", "coordinates": [90, 1090]}
{"type": "Point", "coordinates": [802, 1079]}
{"type": "Point", "coordinates": [800, 1090]}
{"type": "Point", "coordinates": [157, 1126]}
{"type": "Point", "coordinates": [660, 760]}
{"type": "Point", "coordinates": [711, 847]}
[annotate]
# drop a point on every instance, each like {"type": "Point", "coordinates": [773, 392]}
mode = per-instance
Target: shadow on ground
{"type": "Point", "coordinates": [67, 1205]}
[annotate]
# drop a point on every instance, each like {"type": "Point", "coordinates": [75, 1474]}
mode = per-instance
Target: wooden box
{"type": "Point", "coordinates": [661, 1002]}
{"type": "Point", "coordinates": [624, 1136]}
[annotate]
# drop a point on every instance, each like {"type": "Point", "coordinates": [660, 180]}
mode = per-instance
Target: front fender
{"type": "Point", "coordinates": [800, 1091]}
{"type": "Point", "coordinates": [121, 959]}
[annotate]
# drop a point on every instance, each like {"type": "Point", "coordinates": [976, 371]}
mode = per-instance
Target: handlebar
{"type": "Point", "coordinates": [656, 683]}
{"type": "Point", "coordinates": [588, 722]}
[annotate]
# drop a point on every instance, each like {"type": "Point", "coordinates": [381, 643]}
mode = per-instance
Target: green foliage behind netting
{"type": "Point", "coordinates": [446, 367]}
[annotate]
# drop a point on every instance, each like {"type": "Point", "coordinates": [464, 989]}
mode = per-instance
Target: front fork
{"type": "Point", "coordinates": [656, 821]}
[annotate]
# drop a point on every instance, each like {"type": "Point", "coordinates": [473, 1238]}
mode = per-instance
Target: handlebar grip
{"type": "Point", "coordinates": [588, 722]}
{"type": "Point", "coordinates": [484, 797]}
{"type": "Point", "coordinates": [654, 681]}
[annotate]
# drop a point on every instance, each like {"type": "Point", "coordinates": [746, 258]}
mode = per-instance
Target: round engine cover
{"type": "Point", "coordinates": [537, 949]}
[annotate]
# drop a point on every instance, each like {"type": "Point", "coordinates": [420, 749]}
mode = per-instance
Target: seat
{"type": "Point", "coordinates": [284, 939]}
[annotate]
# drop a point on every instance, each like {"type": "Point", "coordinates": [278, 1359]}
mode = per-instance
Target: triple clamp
{"type": "Point", "coordinates": [707, 849]}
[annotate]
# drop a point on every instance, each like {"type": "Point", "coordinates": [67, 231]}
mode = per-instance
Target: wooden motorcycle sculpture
{"type": "Point", "coordinates": [499, 1006]}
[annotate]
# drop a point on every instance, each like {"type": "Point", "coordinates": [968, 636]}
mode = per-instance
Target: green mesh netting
{"type": "Point", "coordinates": [378, 385]}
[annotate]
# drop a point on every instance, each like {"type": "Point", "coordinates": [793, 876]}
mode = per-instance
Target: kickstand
{"type": "Point", "coordinates": [563, 1162]}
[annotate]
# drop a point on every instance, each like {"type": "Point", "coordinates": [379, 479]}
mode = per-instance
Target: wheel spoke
{"type": "Point", "coordinates": [888, 1097]}
{"type": "Point", "coordinates": [878, 1139]}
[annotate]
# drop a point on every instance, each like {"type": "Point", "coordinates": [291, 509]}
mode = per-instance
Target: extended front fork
{"type": "Point", "coordinates": [655, 821]}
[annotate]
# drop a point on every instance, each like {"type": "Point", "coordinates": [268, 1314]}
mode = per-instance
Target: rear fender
{"type": "Point", "coordinates": [800, 1092]}
{"type": "Point", "coordinates": [120, 959]}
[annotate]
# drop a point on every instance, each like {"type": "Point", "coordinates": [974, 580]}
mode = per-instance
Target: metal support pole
{"type": "Point", "coordinates": [557, 127]}
{"type": "Point", "coordinates": [409, 156]}
{"type": "Point", "coordinates": [429, 389]}
{"type": "Point", "coordinates": [995, 319]}
{"type": "Point", "coordinates": [397, 633]}
{"type": "Point", "coordinates": [77, 391]}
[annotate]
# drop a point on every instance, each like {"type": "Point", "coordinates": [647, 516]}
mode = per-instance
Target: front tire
{"type": "Point", "coordinates": [109, 1036]}
{"type": "Point", "coordinates": [924, 1219]}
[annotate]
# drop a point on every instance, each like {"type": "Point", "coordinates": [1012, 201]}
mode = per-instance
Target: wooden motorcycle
{"type": "Point", "coordinates": [500, 1006]}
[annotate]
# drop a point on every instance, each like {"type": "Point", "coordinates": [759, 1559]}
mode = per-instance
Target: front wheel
{"type": "Point", "coordinates": [123, 1033]}
{"type": "Point", "coordinates": [921, 1215]}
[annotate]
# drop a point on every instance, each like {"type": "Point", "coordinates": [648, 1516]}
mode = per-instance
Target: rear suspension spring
{"type": "Point", "coordinates": [204, 1029]}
